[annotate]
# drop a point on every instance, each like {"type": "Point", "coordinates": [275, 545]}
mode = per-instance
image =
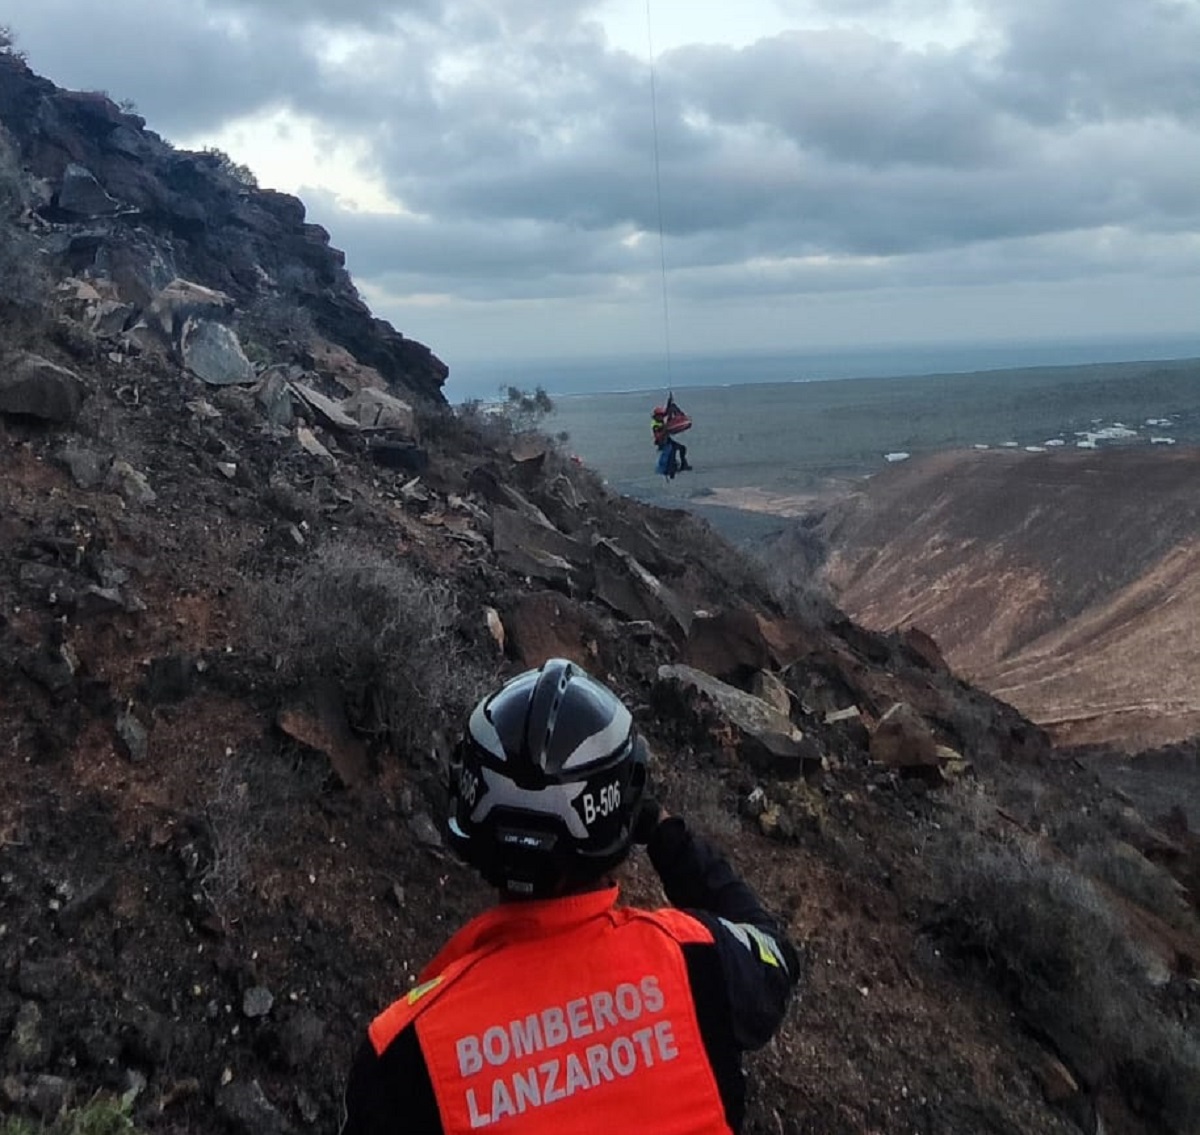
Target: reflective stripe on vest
{"type": "Point", "coordinates": [568, 1024]}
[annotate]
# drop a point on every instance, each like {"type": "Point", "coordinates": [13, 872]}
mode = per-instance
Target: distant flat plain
{"type": "Point", "coordinates": [766, 451]}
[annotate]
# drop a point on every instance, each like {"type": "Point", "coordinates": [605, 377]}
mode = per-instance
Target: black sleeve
{"type": "Point", "coordinates": [391, 1094]}
{"type": "Point", "coordinates": [759, 966]}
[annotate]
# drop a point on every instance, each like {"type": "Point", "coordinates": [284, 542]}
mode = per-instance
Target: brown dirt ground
{"type": "Point", "coordinates": [157, 893]}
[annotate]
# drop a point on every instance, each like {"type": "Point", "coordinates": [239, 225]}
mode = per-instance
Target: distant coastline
{"type": "Point", "coordinates": [763, 452]}
{"type": "Point", "coordinates": [634, 373]}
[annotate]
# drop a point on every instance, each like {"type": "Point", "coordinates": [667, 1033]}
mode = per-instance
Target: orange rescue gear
{"type": "Point", "coordinates": [568, 1015]}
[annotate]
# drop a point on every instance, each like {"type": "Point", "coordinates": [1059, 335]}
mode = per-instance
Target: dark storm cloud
{"type": "Point", "coordinates": [186, 67]}
{"type": "Point", "coordinates": [1092, 60]}
{"type": "Point", "coordinates": [831, 142]}
{"type": "Point", "coordinates": [474, 258]}
{"type": "Point", "coordinates": [521, 143]}
{"type": "Point", "coordinates": [334, 13]}
{"type": "Point", "coordinates": [849, 95]}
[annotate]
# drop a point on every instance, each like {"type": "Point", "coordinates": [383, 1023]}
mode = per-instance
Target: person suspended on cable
{"type": "Point", "coordinates": [665, 423]}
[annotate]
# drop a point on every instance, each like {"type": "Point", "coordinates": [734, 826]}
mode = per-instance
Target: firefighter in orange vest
{"type": "Point", "coordinates": [559, 1010]}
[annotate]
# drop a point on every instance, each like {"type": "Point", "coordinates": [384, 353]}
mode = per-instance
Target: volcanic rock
{"type": "Point", "coordinates": [36, 387]}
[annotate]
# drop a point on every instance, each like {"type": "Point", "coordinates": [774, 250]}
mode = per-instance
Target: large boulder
{"type": "Point", "coordinates": [924, 648]}
{"type": "Point", "coordinates": [331, 361]}
{"type": "Point", "coordinates": [82, 195]}
{"type": "Point", "coordinates": [329, 411]}
{"type": "Point", "coordinates": [138, 265]}
{"type": "Point", "coordinates": [88, 467]}
{"type": "Point", "coordinates": [181, 301]}
{"type": "Point", "coordinates": [488, 483]}
{"type": "Point", "coordinates": [378, 410]}
{"type": "Point", "coordinates": [654, 550]}
{"type": "Point", "coordinates": [729, 644]}
{"type": "Point", "coordinates": [212, 352]}
{"type": "Point", "coordinates": [548, 625]}
{"type": "Point", "coordinates": [771, 742]}
{"type": "Point", "coordinates": [406, 456]}
{"type": "Point", "coordinates": [902, 740]}
{"type": "Point", "coordinates": [36, 387]}
{"type": "Point", "coordinates": [771, 689]}
{"type": "Point", "coordinates": [274, 397]}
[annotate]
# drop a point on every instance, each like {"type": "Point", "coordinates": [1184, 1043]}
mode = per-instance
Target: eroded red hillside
{"type": "Point", "coordinates": [1064, 582]}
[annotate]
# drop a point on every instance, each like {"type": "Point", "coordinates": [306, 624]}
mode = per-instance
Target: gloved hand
{"type": "Point", "coordinates": [650, 814]}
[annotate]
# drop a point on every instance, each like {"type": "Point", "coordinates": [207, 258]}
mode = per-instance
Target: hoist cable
{"type": "Point", "coordinates": [662, 243]}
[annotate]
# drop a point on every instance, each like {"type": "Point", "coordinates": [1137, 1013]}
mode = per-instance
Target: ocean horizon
{"type": "Point", "coordinates": [791, 442]}
{"type": "Point", "coordinates": [564, 377]}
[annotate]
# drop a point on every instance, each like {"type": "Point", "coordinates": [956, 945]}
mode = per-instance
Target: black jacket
{"type": "Point", "coordinates": [741, 984]}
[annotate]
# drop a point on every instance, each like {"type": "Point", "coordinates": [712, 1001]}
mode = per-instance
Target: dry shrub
{"type": "Point", "coordinates": [1063, 954]}
{"type": "Point", "coordinates": [1102, 840]}
{"type": "Point", "coordinates": [487, 422]}
{"type": "Point", "coordinates": [387, 636]}
{"type": "Point", "coordinates": [1132, 875]}
{"type": "Point", "coordinates": [234, 827]}
{"type": "Point", "coordinates": [468, 428]}
{"type": "Point", "coordinates": [248, 794]}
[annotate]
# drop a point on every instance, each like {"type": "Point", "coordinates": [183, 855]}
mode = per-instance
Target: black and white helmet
{"type": "Point", "coordinates": [547, 782]}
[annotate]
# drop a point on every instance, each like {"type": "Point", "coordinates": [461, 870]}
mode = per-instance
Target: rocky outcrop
{"type": "Point", "coordinates": [124, 205]}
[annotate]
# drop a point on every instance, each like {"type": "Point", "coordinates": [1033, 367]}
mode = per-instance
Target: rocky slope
{"type": "Point", "coordinates": [241, 613]}
{"type": "Point", "coordinates": [111, 199]}
{"type": "Point", "coordinates": [1062, 582]}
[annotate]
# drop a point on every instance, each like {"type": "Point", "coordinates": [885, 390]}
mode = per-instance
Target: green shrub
{"type": "Point", "coordinates": [223, 163]}
{"type": "Point", "coordinates": [102, 1115]}
{"type": "Point", "coordinates": [524, 410]}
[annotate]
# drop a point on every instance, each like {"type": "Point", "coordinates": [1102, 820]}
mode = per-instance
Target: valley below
{"type": "Point", "coordinates": [1064, 583]}
{"type": "Point", "coordinates": [1041, 525]}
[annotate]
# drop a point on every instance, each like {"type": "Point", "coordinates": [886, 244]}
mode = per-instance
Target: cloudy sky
{"type": "Point", "coordinates": [833, 172]}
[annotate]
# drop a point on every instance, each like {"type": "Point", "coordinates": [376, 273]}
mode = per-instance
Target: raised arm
{"type": "Point", "coordinates": [759, 966]}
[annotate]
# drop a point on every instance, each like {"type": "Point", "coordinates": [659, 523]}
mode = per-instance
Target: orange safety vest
{"type": "Point", "coordinates": [565, 1016]}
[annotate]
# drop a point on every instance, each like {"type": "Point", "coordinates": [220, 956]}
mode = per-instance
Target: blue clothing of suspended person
{"type": "Point", "coordinates": [665, 423]}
